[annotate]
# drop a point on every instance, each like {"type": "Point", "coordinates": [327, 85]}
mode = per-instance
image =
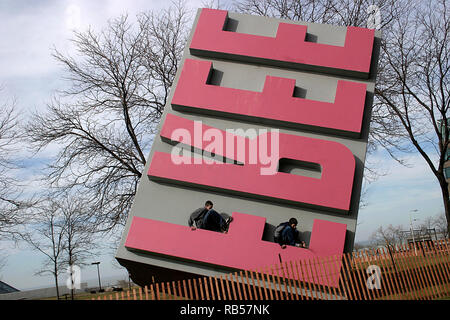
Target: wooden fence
{"type": "Point", "coordinates": [388, 273]}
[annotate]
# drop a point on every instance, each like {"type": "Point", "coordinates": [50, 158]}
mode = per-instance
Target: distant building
{"type": "Point", "coordinates": [423, 238]}
{"type": "Point", "coordinates": [6, 288]}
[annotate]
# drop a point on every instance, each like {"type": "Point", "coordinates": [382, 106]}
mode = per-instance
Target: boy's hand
{"type": "Point", "coordinates": [283, 246]}
{"type": "Point", "coordinates": [193, 228]}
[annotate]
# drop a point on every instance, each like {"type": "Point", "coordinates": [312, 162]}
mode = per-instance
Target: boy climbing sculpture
{"type": "Point", "coordinates": [209, 219]}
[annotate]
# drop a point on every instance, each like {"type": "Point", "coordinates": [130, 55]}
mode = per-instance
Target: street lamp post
{"type": "Point", "coordinates": [98, 271]}
{"type": "Point", "coordinates": [412, 229]}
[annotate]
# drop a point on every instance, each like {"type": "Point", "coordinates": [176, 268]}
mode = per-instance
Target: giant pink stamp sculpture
{"type": "Point", "coordinates": [331, 136]}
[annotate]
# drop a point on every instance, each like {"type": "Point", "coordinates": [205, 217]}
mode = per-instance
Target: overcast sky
{"type": "Point", "coordinates": [30, 28]}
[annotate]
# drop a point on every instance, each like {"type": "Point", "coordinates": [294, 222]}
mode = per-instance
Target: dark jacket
{"type": "Point", "coordinates": [289, 236]}
{"type": "Point", "coordinates": [197, 217]}
{"type": "Point", "coordinates": [278, 230]}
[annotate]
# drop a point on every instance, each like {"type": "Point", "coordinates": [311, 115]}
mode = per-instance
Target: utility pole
{"type": "Point", "coordinates": [98, 271]}
{"type": "Point", "coordinates": [412, 229]}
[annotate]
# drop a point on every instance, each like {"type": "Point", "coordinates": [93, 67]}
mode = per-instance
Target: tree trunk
{"type": "Point", "coordinates": [71, 281]}
{"type": "Point", "coordinates": [445, 198]}
{"type": "Point", "coordinates": [56, 283]}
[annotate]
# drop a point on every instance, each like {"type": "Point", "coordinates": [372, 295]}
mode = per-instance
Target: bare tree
{"type": "Point", "coordinates": [11, 201]}
{"type": "Point", "coordinates": [440, 226]}
{"type": "Point", "coordinates": [438, 223]}
{"type": "Point", "coordinates": [358, 246]}
{"type": "Point", "coordinates": [63, 231]}
{"type": "Point", "coordinates": [47, 237]}
{"type": "Point", "coordinates": [104, 122]}
{"type": "Point", "coordinates": [79, 236]}
{"type": "Point", "coordinates": [389, 236]}
{"type": "Point", "coordinates": [415, 87]}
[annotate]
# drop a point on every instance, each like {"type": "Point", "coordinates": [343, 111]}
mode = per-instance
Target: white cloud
{"type": "Point", "coordinates": [73, 17]}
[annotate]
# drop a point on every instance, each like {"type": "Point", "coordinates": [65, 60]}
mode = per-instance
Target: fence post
{"type": "Point", "coordinates": [281, 291]}
{"type": "Point", "coordinates": [433, 277]}
{"type": "Point", "coordinates": [254, 285]}
{"type": "Point", "coordinates": [261, 272]}
{"type": "Point", "coordinates": [298, 284]}
{"type": "Point", "coordinates": [352, 277]}
{"type": "Point", "coordinates": [269, 283]}
{"type": "Point", "coordinates": [152, 290]}
{"type": "Point", "coordinates": [224, 297]}
{"type": "Point", "coordinates": [248, 286]}
{"type": "Point", "coordinates": [361, 279]}
{"type": "Point", "coordinates": [189, 284]}
{"type": "Point", "coordinates": [228, 283]}
{"type": "Point", "coordinates": [387, 274]}
{"type": "Point", "coordinates": [211, 286]}
{"type": "Point", "coordinates": [186, 296]}
{"type": "Point", "coordinates": [439, 275]}
{"type": "Point", "coordinates": [329, 278]}
{"type": "Point", "coordinates": [216, 288]}
{"type": "Point", "coordinates": [201, 289]}
{"type": "Point", "coordinates": [396, 286]}
{"type": "Point", "coordinates": [287, 279]}
{"type": "Point", "coordinates": [242, 282]}
{"type": "Point", "coordinates": [194, 281]}
{"type": "Point", "coordinates": [341, 280]}
{"type": "Point", "coordinates": [398, 275]}
{"type": "Point", "coordinates": [413, 259]}
{"type": "Point", "coordinates": [238, 284]}
{"type": "Point", "coordinates": [276, 290]}
{"type": "Point", "coordinates": [169, 292]}
{"type": "Point", "coordinates": [409, 291]}
{"type": "Point", "coordinates": [292, 282]}
{"type": "Point", "coordinates": [410, 271]}
{"type": "Point", "coordinates": [306, 285]}
{"type": "Point", "coordinates": [338, 268]}
{"type": "Point", "coordinates": [427, 276]}
{"type": "Point", "coordinates": [174, 290]}
{"type": "Point", "coordinates": [163, 292]}
{"type": "Point", "coordinates": [206, 288]}
{"type": "Point", "coordinates": [441, 257]}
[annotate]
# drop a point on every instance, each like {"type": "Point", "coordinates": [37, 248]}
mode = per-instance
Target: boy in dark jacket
{"type": "Point", "coordinates": [209, 219]}
{"type": "Point", "coordinates": [287, 234]}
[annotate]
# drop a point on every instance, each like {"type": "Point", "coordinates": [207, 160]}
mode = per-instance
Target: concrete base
{"type": "Point", "coordinates": [144, 274]}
